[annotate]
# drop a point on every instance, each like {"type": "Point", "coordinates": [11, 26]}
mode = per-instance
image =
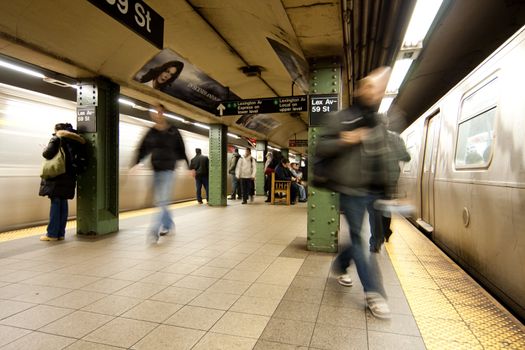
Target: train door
{"type": "Point", "coordinates": [428, 172]}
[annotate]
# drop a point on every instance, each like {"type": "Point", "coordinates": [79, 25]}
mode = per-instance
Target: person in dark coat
{"type": "Point", "coordinates": [200, 166]}
{"type": "Point", "coordinates": [62, 187]}
{"type": "Point", "coordinates": [164, 142]}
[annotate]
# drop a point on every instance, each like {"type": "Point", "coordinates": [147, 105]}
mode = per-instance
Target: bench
{"type": "Point", "coordinates": [280, 191]}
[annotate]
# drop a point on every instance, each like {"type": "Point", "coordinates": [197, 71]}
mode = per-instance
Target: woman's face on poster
{"type": "Point", "coordinates": [166, 75]}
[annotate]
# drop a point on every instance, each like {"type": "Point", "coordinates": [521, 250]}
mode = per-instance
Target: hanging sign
{"type": "Point", "coordinates": [320, 106]}
{"type": "Point", "coordinates": [268, 105]}
{"type": "Point", "coordinates": [137, 16]}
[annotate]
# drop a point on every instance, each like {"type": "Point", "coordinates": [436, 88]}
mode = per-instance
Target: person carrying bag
{"type": "Point", "coordinates": [59, 176]}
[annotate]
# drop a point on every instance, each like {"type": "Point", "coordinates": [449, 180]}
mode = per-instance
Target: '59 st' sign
{"type": "Point", "coordinates": [136, 15]}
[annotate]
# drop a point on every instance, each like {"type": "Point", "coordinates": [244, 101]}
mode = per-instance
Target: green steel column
{"type": "Point", "coordinates": [260, 152]}
{"type": "Point", "coordinates": [323, 206]}
{"type": "Point", "coordinates": [285, 152]}
{"type": "Point", "coordinates": [218, 164]}
{"type": "Point", "coordinates": [98, 187]}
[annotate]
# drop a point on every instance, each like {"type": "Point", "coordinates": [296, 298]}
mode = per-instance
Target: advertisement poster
{"type": "Point", "coordinates": [170, 73]}
{"type": "Point", "coordinates": [296, 66]}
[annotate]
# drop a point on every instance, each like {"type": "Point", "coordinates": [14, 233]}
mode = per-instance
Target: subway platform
{"type": "Point", "coordinates": [236, 277]}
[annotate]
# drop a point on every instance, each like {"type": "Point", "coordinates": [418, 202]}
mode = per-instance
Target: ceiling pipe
{"type": "Point", "coordinates": [373, 35]}
{"type": "Point", "coordinates": [355, 37]}
{"type": "Point", "coordinates": [393, 15]}
{"type": "Point", "coordinates": [347, 49]}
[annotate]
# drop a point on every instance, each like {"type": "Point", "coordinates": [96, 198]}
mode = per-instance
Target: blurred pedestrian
{"type": "Point", "coordinates": [357, 139]}
{"type": "Point", "coordinates": [61, 187]}
{"type": "Point", "coordinates": [164, 142]}
{"type": "Point", "coordinates": [232, 165]}
{"type": "Point", "coordinates": [200, 168]}
{"type": "Point", "coordinates": [245, 171]}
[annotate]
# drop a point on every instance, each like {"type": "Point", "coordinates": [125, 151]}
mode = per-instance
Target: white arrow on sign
{"type": "Point", "coordinates": [221, 109]}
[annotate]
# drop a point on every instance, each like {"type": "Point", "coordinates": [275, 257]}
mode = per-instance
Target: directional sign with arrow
{"type": "Point", "coordinates": [268, 105]}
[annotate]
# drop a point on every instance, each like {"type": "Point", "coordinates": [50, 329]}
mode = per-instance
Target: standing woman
{"type": "Point", "coordinates": [62, 187]}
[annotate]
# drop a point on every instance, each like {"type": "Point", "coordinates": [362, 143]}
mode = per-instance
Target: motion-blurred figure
{"type": "Point", "coordinates": [200, 166]}
{"type": "Point", "coordinates": [357, 138]}
{"type": "Point", "coordinates": [164, 142]}
{"type": "Point", "coordinates": [62, 187]}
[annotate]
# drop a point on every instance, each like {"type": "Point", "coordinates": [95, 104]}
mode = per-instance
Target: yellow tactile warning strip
{"type": "Point", "coordinates": [451, 310]}
{"type": "Point", "coordinates": [41, 230]}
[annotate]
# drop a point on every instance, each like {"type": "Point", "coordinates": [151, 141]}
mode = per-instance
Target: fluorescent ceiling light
{"type": "Point", "coordinates": [126, 102]}
{"type": "Point", "coordinates": [169, 115]}
{"type": "Point", "coordinates": [422, 17]}
{"type": "Point", "coordinates": [385, 104]}
{"type": "Point", "coordinates": [233, 135]}
{"type": "Point", "coordinates": [21, 69]}
{"type": "Point", "coordinates": [201, 125]}
{"type": "Point", "coordinates": [399, 72]}
{"type": "Point", "coordinates": [275, 149]}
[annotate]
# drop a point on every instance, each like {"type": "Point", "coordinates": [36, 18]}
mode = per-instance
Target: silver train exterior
{"type": "Point", "coordinates": [466, 178]}
{"type": "Point", "coordinates": [27, 120]}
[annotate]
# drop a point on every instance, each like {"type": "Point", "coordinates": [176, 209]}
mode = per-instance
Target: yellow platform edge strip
{"type": "Point", "coordinates": [450, 309]}
{"type": "Point", "coordinates": [71, 224]}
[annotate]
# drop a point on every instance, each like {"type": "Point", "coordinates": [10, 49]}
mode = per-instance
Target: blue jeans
{"type": "Point", "coordinates": [199, 182]}
{"type": "Point", "coordinates": [57, 218]}
{"type": "Point", "coordinates": [236, 187]}
{"type": "Point", "coordinates": [162, 184]}
{"type": "Point", "coordinates": [367, 266]}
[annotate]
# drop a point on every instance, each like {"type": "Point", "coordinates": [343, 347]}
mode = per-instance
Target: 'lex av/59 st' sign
{"type": "Point", "coordinates": [136, 15]}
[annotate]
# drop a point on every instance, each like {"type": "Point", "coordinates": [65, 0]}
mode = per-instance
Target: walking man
{"type": "Point", "coordinates": [245, 172]}
{"type": "Point", "coordinates": [164, 142]}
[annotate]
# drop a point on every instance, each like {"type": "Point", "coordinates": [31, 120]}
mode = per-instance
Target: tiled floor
{"type": "Point", "coordinates": [229, 278]}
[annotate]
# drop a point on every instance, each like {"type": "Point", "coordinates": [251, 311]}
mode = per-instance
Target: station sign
{"type": "Point", "coordinates": [269, 105]}
{"type": "Point", "coordinates": [137, 16]}
{"type": "Point", "coordinates": [297, 143]}
{"type": "Point", "coordinates": [321, 106]}
{"type": "Point", "coordinates": [87, 119]}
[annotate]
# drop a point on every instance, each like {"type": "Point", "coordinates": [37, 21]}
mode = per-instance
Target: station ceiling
{"type": "Point", "coordinates": [220, 37]}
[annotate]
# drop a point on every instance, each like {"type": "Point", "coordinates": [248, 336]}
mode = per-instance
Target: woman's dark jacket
{"type": "Point", "coordinates": [62, 186]}
{"type": "Point", "coordinates": [165, 146]}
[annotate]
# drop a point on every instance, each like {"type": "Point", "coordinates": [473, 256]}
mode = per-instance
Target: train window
{"type": "Point", "coordinates": [475, 140]}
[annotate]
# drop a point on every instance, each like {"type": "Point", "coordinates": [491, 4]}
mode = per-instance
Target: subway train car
{"type": "Point", "coordinates": [466, 178]}
{"type": "Point", "coordinates": [27, 120]}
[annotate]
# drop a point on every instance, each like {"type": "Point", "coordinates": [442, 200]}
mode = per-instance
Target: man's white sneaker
{"type": "Point", "coordinates": [345, 280]}
{"type": "Point", "coordinates": [377, 305]}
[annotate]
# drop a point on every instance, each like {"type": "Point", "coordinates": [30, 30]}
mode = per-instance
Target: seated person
{"type": "Point", "coordinates": [283, 173]}
{"type": "Point", "coordinates": [298, 176]}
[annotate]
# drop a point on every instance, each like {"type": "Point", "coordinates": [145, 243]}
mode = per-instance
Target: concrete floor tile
{"type": "Point", "coordinates": [342, 317]}
{"type": "Point", "coordinates": [152, 311]}
{"type": "Point", "coordinates": [269, 345]}
{"type": "Point", "coordinates": [40, 341]}
{"type": "Point", "coordinates": [398, 324]}
{"type": "Point", "coordinates": [215, 341]}
{"type": "Point", "coordinates": [255, 305]}
{"type": "Point", "coordinates": [121, 332]}
{"type": "Point", "coordinates": [229, 286]}
{"type": "Point", "coordinates": [209, 271]}
{"type": "Point", "coordinates": [40, 294]}
{"type": "Point", "coordinates": [140, 290]}
{"type": "Point", "coordinates": [309, 282]}
{"type": "Point", "coordinates": [242, 325]}
{"type": "Point", "coordinates": [107, 285]}
{"type": "Point", "coordinates": [113, 305]}
{"type": "Point", "coordinates": [180, 268]}
{"type": "Point", "coordinates": [176, 295]}
{"type": "Point", "coordinates": [389, 341]}
{"type": "Point", "coordinates": [242, 275]}
{"type": "Point", "coordinates": [9, 334]}
{"type": "Point", "coordinates": [263, 290]}
{"type": "Point", "coordinates": [169, 338]}
{"type": "Point", "coordinates": [131, 275]}
{"type": "Point", "coordinates": [223, 262]}
{"type": "Point", "coordinates": [288, 331]}
{"type": "Point", "coordinates": [339, 338]}
{"type": "Point", "coordinates": [76, 299]}
{"type": "Point", "coordinates": [221, 301]}
{"type": "Point", "coordinates": [348, 300]}
{"type": "Point", "coordinates": [195, 317]}
{"type": "Point", "coordinates": [293, 310]}
{"type": "Point", "coordinates": [77, 324]}
{"type": "Point", "coordinates": [163, 278]}
{"type": "Point", "coordinates": [36, 317]}
{"type": "Point", "coordinates": [87, 345]}
{"type": "Point", "coordinates": [195, 282]}
{"type": "Point", "coordinates": [10, 307]}
{"type": "Point", "coordinates": [313, 296]}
